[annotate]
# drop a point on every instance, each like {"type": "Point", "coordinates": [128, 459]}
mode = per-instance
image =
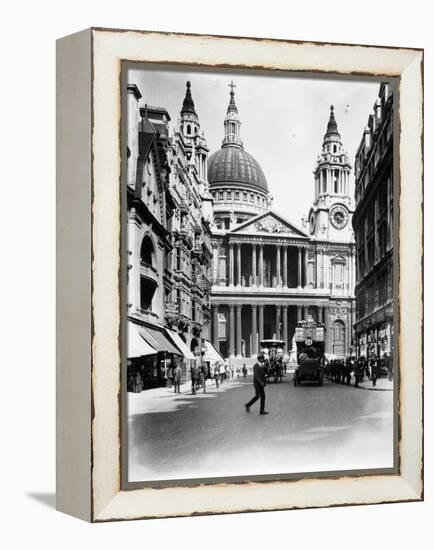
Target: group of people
{"type": "Point", "coordinates": [174, 377]}
{"type": "Point", "coordinates": [341, 371]}
{"type": "Point", "coordinates": [218, 373]}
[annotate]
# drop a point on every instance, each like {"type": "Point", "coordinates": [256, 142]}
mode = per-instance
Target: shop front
{"type": "Point", "coordinates": [150, 354]}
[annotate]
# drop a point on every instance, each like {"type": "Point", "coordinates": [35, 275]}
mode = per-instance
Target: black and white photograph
{"type": "Point", "coordinates": [259, 302]}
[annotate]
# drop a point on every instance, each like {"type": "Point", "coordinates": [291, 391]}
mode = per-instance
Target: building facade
{"type": "Point", "coordinates": [373, 227]}
{"type": "Point", "coordinates": [168, 232]}
{"type": "Point", "coordinates": [269, 273]}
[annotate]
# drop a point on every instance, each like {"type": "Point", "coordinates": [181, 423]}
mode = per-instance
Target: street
{"type": "Point", "coordinates": [309, 429]}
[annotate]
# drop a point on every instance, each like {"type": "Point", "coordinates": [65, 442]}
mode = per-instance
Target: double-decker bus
{"type": "Point", "coordinates": [309, 339]}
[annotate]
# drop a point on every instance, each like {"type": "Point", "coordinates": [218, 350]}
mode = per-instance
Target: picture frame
{"type": "Point", "coordinates": [89, 327]}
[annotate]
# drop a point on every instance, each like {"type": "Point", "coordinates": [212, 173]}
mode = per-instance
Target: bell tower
{"type": "Point", "coordinates": [189, 120]}
{"type": "Point", "coordinates": [333, 206]}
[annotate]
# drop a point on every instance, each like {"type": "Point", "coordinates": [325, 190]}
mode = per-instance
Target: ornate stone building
{"type": "Point", "coordinates": [268, 273]}
{"type": "Point", "coordinates": [373, 227]}
{"type": "Point", "coordinates": [168, 232]}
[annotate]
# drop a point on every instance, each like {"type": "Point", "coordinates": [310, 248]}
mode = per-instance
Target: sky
{"type": "Point", "coordinates": [283, 120]}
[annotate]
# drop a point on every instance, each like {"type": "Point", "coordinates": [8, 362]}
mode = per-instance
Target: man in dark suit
{"type": "Point", "coordinates": [259, 385]}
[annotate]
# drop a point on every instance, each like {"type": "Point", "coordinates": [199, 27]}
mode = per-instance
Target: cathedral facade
{"type": "Point", "coordinates": [267, 272]}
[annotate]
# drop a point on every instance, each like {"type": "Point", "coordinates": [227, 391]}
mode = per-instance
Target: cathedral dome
{"type": "Point", "coordinates": [233, 165]}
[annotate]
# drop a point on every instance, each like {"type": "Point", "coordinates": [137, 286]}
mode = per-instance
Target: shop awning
{"type": "Point", "coordinates": [137, 346]}
{"type": "Point", "coordinates": [211, 354]}
{"type": "Point", "coordinates": [158, 340]}
{"type": "Point", "coordinates": [179, 342]}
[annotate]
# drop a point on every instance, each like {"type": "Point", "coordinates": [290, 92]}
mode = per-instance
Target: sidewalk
{"type": "Point", "coordinates": [185, 389]}
{"type": "Point", "coordinates": [383, 384]}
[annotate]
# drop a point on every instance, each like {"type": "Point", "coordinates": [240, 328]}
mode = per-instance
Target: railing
{"type": "Point", "coordinates": [149, 315]}
{"type": "Point", "coordinates": [148, 270]}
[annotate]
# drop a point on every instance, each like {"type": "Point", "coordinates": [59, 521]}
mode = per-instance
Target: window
{"type": "Point", "coordinates": [237, 195]}
{"type": "Point", "coordinates": [147, 290]}
{"type": "Point", "coordinates": [334, 148]}
{"type": "Point", "coordinates": [229, 195]}
{"type": "Point", "coordinates": [146, 250]}
{"type": "Point", "coordinates": [339, 338]}
{"type": "Point", "coordinates": [221, 195]}
{"type": "Point", "coordinates": [338, 270]}
{"type": "Point", "coordinates": [252, 197]}
{"type": "Point", "coordinates": [188, 129]}
{"type": "Point", "coordinates": [244, 196]}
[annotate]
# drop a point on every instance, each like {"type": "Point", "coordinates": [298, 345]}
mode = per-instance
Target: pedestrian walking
{"type": "Point", "coordinates": [244, 370]}
{"type": "Point", "coordinates": [203, 378]}
{"type": "Point", "coordinates": [359, 372]}
{"type": "Point", "coordinates": [177, 379]}
{"type": "Point", "coordinates": [169, 376]}
{"type": "Point", "coordinates": [228, 373]}
{"type": "Point", "coordinates": [232, 371]}
{"type": "Point", "coordinates": [373, 364]}
{"type": "Point", "coordinates": [217, 375]}
{"type": "Point", "coordinates": [193, 379]}
{"type": "Point", "coordinates": [389, 366]}
{"type": "Point", "coordinates": [259, 385]}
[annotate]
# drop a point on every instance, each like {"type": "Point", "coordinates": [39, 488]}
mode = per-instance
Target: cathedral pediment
{"type": "Point", "coordinates": [269, 223]}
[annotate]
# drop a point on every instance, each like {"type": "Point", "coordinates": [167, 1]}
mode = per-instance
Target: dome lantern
{"type": "Point", "coordinates": [232, 122]}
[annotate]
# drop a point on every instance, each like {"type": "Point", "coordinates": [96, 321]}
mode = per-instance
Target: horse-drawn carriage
{"type": "Point", "coordinates": [274, 366]}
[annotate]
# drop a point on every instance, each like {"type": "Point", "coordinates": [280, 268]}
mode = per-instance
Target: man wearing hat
{"type": "Point", "coordinates": [259, 384]}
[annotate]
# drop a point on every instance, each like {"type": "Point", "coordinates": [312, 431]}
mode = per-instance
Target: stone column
{"type": "Point", "coordinates": [299, 314]}
{"type": "Point", "coordinates": [239, 264]}
{"type": "Point", "coordinates": [285, 266]}
{"type": "Point", "coordinates": [254, 269]}
{"type": "Point", "coordinates": [299, 273]}
{"type": "Point", "coordinates": [277, 322]}
{"type": "Point", "coordinates": [215, 253]}
{"type": "Point", "coordinates": [306, 265]}
{"type": "Point", "coordinates": [231, 264]}
{"type": "Point", "coordinates": [231, 331]}
{"type": "Point", "coordinates": [254, 331]}
{"type": "Point", "coordinates": [279, 282]}
{"type": "Point", "coordinates": [305, 312]}
{"type": "Point", "coordinates": [329, 336]}
{"type": "Point", "coordinates": [261, 264]}
{"type": "Point", "coordinates": [238, 306]}
{"type": "Point", "coordinates": [285, 327]}
{"type": "Point", "coordinates": [317, 265]}
{"type": "Point", "coordinates": [215, 322]}
{"type": "Point", "coordinates": [261, 322]}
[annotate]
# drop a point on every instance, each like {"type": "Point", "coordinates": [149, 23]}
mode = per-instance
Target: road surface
{"type": "Point", "coordinates": [309, 429]}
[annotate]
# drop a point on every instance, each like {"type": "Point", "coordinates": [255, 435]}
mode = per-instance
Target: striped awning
{"type": "Point", "coordinates": [179, 342]}
{"type": "Point", "coordinates": [137, 346]}
{"type": "Point", "coordinates": [158, 340]}
{"type": "Point", "coordinates": [210, 353]}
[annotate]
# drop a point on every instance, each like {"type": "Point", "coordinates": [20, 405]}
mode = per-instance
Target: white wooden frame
{"type": "Point", "coordinates": [88, 263]}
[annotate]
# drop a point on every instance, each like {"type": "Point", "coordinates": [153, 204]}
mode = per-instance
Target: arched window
{"type": "Point", "coordinates": [188, 129]}
{"type": "Point", "coordinates": [146, 250]}
{"type": "Point", "coordinates": [339, 338]}
{"type": "Point", "coordinates": [334, 148]}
